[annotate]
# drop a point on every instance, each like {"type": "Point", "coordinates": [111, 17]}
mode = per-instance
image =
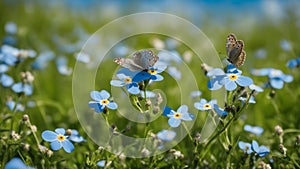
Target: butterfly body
{"type": "Point", "coordinates": [138, 61]}
{"type": "Point", "coordinates": [235, 52]}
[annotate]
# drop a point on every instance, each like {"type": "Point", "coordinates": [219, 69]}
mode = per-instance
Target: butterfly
{"type": "Point", "coordinates": [138, 61]}
{"type": "Point", "coordinates": [236, 54]}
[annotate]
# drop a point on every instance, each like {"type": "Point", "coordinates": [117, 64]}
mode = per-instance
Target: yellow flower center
{"type": "Point", "coordinates": [61, 137]}
{"type": "Point", "coordinates": [207, 106]}
{"type": "Point", "coordinates": [177, 115]}
{"type": "Point", "coordinates": [127, 80]}
{"type": "Point", "coordinates": [104, 102]}
{"type": "Point", "coordinates": [232, 76]}
{"type": "Point", "coordinates": [152, 72]}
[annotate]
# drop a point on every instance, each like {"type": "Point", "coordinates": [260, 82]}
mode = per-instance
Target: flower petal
{"type": "Point", "coordinates": [68, 146]}
{"type": "Point", "coordinates": [112, 105]}
{"type": "Point", "coordinates": [96, 106]}
{"type": "Point", "coordinates": [187, 116]}
{"type": "Point", "coordinates": [61, 131]}
{"type": "Point", "coordinates": [96, 95]}
{"type": "Point", "coordinates": [287, 78]}
{"type": "Point", "coordinates": [56, 145]}
{"type": "Point", "coordinates": [244, 81]}
{"type": "Point", "coordinates": [276, 83]}
{"type": "Point", "coordinates": [104, 94]}
{"type": "Point", "coordinates": [230, 85]}
{"type": "Point", "coordinates": [174, 122]}
{"type": "Point", "coordinates": [157, 77]}
{"type": "Point", "coordinates": [182, 109]}
{"type": "Point", "coordinates": [49, 136]}
{"type": "Point", "coordinates": [167, 111]}
{"type": "Point", "coordinates": [133, 88]}
{"type": "Point", "coordinates": [117, 83]}
{"type": "Point", "coordinates": [6, 80]}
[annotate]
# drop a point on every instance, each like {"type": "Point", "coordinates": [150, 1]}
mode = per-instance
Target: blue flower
{"type": "Point", "coordinates": [83, 57]}
{"type": "Point", "coordinates": [260, 150]}
{"type": "Point", "coordinates": [149, 94]}
{"type": "Point", "coordinates": [12, 105]}
{"type": "Point", "coordinates": [176, 117]}
{"type": "Point", "coordinates": [251, 100]}
{"type": "Point", "coordinates": [246, 147]}
{"type": "Point", "coordinates": [126, 79]}
{"type": "Point", "coordinates": [256, 88]}
{"type": "Point", "coordinates": [220, 111]}
{"type": "Point", "coordinates": [5, 79]}
{"type": "Point", "coordinates": [101, 101]}
{"type": "Point", "coordinates": [166, 135]}
{"type": "Point", "coordinates": [8, 55]}
{"type": "Point", "coordinates": [11, 27]}
{"type": "Point", "coordinates": [16, 163]}
{"type": "Point", "coordinates": [62, 67]}
{"type": "Point", "coordinates": [58, 140]}
{"type": "Point", "coordinates": [42, 60]}
{"type": "Point", "coordinates": [101, 163]}
{"type": "Point", "coordinates": [285, 45]}
{"type": "Point", "coordinates": [204, 105]}
{"type": "Point", "coordinates": [195, 94]}
{"type": "Point", "coordinates": [276, 77]}
{"type": "Point", "coordinates": [229, 80]}
{"type": "Point", "coordinates": [174, 72]}
{"type": "Point", "coordinates": [293, 63]}
{"type": "Point", "coordinates": [254, 129]}
{"type": "Point", "coordinates": [76, 137]}
{"type": "Point", "coordinates": [22, 88]}
{"type": "Point", "coordinates": [153, 71]}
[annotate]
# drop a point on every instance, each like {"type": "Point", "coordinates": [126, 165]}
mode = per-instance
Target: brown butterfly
{"type": "Point", "coordinates": [138, 61]}
{"type": "Point", "coordinates": [236, 54]}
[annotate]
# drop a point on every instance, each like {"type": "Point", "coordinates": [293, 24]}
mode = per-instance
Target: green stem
{"type": "Point", "coordinates": [187, 130]}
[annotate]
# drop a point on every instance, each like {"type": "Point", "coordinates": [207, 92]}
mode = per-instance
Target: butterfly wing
{"type": "Point", "coordinates": [235, 52]}
{"type": "Point", "coordinates": [230, 43]}
{"type": "Point", "coordinates": [145, 58]}
{"type": "Point", "coordinates": [128, 63]}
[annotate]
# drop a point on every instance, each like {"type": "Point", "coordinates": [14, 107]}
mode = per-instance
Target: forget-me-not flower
{"type": "Point", "coordinates": [276, 77]}
{"type": "Point", "coordinates": [58, 140]}
{"type": "Point", "coordinates": [254, 129]}
{"type": "Point", "coordinates": [5, 79]}
{"type": "Point", "coordinates": [125, 77]}
{"type": "Point", "coordinates": [75, 136]}
{"type": "Point", "coordinates": [166, 135]}
{"type": "Point", "coordinates": [293, 63]}
{"type": "Point", "coordinates": [260, 150]}
{"type": "Point", "coordinates": [16, 163]}
{"type": "Point", "coordinates": [204, 105]}
{"type": "Point", "coordinates": [230, 80]}
{"type": "Point", "coordinates": [101, 101]}
{"type": "Point", "coordinates": [175, 117]}
{"type": "Point", "coordinates": [246, 147]}
{"type": "Point", "coordinates": [153, 71]}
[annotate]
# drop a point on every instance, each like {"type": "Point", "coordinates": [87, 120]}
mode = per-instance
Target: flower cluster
{"type": "Point", "coordinates": [10, 57]}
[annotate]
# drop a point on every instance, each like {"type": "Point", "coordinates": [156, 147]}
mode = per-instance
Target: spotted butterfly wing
{"type": "Point", "coordinates": [128, 63]}
{"type": "Point", "coordinates": [145, 58]}
{"type": "Point", "coordinates": [138, 61]}
{"type": "Point", "coordinates": [236, 54]}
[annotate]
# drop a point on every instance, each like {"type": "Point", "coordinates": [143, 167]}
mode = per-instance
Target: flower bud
{"type": "Point", "coordinates": [278, 130]}
{"type": "Point", "coordinates": [25, 118]}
